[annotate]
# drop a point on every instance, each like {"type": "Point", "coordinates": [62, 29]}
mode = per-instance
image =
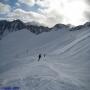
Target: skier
{"type": "Point", "coordinates": [39, 57]}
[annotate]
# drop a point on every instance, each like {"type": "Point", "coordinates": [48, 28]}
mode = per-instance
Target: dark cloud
{"type": "Point", "coordinates": [87, 15]}
{"type": "Point", "coordinates": [88, 2]}
{"type": "Point", "coordinates": [87, 12]}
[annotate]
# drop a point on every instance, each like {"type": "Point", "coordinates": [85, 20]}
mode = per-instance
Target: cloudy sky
{"type": "Point", "coordinates": [46, 12]}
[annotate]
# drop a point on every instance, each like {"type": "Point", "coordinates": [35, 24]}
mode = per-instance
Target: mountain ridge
{"type": "Point", "coordinates": [10, 26]}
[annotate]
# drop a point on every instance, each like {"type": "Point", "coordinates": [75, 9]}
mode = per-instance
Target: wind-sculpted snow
{"type": "Point", "coordinates": [72, 44]}
{"type": "Point", "coordinates": [65, 65]}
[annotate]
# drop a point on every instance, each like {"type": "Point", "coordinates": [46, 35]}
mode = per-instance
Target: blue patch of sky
{"type": "Point", "coordinates": [33, 8]}
{"type": "Point", "coordinates": [10, 2]}
{"type": "Point", "coordinates": [23, 6]}
{"type": "Point", "coordinates": [4, 1]}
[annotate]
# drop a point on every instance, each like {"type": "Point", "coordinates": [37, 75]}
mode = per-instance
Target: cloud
{"type": "Point", "coordinates": [18, 4]}
{"type": "Point", "coordinates": [51, 12]}
{"type": "Point", "coordinates": [64, 11]}
{"type": "Point", "coordinates": [27, 2]}
{"type": "Point", "coordinates": [26, 16]}
{"type": "Point", "coordinates": [4, 8]}
{"type": "Point", "coordinates": [30, 16]}
{"type": "Point", "coordinates": [43, 3]}
{"type": "Point", "coordinates": [88, 2]}
{"type": "Point", "coordinates": [87, 12]}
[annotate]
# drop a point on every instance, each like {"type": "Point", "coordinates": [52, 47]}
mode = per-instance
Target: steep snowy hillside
{"type": "Point", "coordinates": [65, 65]}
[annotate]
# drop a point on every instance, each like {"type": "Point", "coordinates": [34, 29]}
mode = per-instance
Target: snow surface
{"type": "Point", "coordinates": [65, 66]}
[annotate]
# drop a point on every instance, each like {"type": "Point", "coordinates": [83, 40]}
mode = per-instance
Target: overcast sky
{"type": "Point", "coordinates": [46, 12]}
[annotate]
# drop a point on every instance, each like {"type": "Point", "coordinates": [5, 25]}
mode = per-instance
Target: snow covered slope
{"type": "Point", "coordinates": [65, 66]}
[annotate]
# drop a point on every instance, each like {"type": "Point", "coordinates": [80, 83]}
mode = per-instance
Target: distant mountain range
{"type": "Point", "coordinates": [10, 26]}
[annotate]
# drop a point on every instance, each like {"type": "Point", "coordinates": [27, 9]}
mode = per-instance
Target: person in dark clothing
{"type": "Point", "coordinates": [39, 57]}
